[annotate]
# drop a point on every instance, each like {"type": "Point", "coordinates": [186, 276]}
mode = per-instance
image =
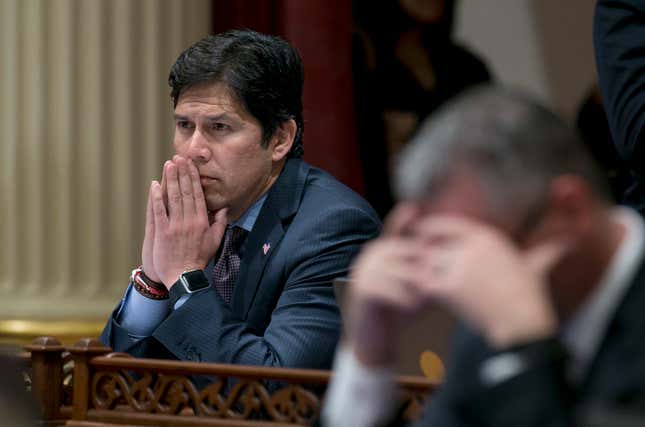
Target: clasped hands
{"type": "Point", "coordinates": [470, 267]}
{"type": "Point", "coordinates": [178, 234]}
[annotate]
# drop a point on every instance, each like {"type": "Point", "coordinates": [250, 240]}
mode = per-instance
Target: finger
{"type": "Point", "coordinates": [380, 264]}
{"type": "Point", "coordinates": [543, 257]}
{"type": "Point", "coordinates": [221, 216]}
{"type": "Point", "coordinates": [437, 284]}
{"type": "Point", "coordinates": [150, 218]}
{"type": "Point", "coordinates": [198, 191]}
{"type": "Point", "coordinates": [218, 227]}
{"type": "Point", "coordinates": [402, 248]}
{"type": "Point", "coordinates": [158, 208]}
{"type": "Point", "coordinates": [440, 262]}
{"type": "Point", "coordinates": [400, 219]}
{"type": "Point", "coordinates": [401, 264]}
{"type": "Point", "coordinates": [447, 227]}
{"type": "Point", "coordinates": [409, 273]}
{"type": "Point", "coordinates": [185, 187]}
{"type": "Point", "coordinates": [175, 209]}
{"type": "Point", "coordinates": [403, 291]}
{"type": "Point", "coordinates": [164, 186]}
{"type": "Point", "coordinates": [388, 250]}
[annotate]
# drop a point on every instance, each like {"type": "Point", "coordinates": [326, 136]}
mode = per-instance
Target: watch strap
{"type": "Point", "coordinates": [189, 282]}
{"type": "Point", "coordinates": [177, 290]}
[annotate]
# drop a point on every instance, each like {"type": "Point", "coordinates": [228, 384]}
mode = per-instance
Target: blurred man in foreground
{"type": "Point", "coordinates": [504, 219]}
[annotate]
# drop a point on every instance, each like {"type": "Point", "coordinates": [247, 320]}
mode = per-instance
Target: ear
{"type": "Point", "coordinates": [282, 140]}
{"type": "Point", "coordinates": [571, 206]}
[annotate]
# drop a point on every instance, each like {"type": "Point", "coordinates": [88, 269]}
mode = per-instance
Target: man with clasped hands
{"type": "Point", "coordinates": [242, 237]}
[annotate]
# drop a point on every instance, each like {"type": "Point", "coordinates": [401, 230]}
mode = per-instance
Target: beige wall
{"type": "Point", "coordinates": [86, 120]}
{"type": "Point", "coordinates": [543, 46]}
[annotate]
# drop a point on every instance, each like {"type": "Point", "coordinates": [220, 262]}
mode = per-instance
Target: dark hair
{"type": "Point", "coordinates": [263, 72]}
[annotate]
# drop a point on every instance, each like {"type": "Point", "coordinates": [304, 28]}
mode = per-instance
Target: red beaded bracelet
{"type": "Point", "coordinates": [147, 287]}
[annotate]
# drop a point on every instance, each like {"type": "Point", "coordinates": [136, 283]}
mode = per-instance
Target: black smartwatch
{"type": "Point", "coordinates": [190, 282]}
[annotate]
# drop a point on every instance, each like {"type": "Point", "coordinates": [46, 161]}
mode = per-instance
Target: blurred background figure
{"type": "Point", "coordinates": [618, 32]}
{"type": "Point", "coordinates": [406, 64]}
{"type": "Point", "coordinates": [592, 124]}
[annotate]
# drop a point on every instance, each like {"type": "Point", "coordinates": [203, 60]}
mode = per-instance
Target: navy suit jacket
{"type": "Point", "coordinates": [283, 311]}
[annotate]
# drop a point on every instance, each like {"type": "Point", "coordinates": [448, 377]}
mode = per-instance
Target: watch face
{"type": "Point", "coordinates": [194, 281]}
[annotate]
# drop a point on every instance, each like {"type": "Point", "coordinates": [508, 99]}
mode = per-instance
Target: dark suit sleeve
{"type": "Point", "coordinates": [539, 396]}
{"type": "Point", "coordinates": [619, 40]}
{"type": "Point", "coordinates": [304, 324]}
{"type": "Point", "coordinates": [120, 339]}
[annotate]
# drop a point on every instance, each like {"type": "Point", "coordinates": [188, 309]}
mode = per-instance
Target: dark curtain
{"type": "Point", "coordinates": [321, 30]}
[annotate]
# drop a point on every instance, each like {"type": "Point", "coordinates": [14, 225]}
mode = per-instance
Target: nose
{"type": "Point", "coordinates": [197, 149]}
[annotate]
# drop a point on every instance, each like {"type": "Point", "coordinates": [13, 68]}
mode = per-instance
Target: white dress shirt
{"type": "Point", "coordinates": [581, 335]}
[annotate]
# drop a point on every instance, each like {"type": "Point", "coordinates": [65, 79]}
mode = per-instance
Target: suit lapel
{"type": "Point", "coordinates": [622, 350]}
{"type": "Point", "coordinates": [280, 206]}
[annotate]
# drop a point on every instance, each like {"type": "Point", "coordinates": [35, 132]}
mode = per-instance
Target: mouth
{"type": "Point", "coordinates": [205, 180]}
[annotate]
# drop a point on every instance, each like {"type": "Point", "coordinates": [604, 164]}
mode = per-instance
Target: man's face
{"type": "Point", "coordinates": [462, 194]}
{"type": "Point", "coordinates": [567, 218]}
{"type": "Point", "coordinates": [224, 142]}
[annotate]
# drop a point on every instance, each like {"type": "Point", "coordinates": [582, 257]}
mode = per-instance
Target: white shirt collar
{"type": "Point", "coordinates": [584, 331]}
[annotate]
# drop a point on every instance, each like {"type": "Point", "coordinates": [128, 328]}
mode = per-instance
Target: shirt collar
{"type": "Point", "coordinates": [582, 334]}
{"type": "Point", "coordinates": [247, 220]}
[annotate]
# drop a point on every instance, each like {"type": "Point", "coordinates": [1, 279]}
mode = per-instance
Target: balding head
{"type": "Point", "coordinates": [513, 145]}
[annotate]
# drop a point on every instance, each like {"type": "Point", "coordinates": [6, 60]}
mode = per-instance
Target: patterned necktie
{"type": "Point", "coordinates": [227, 267]}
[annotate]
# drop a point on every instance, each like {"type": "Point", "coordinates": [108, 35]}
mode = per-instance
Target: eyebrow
{"type": "Point", "coordinates": [213, 118]}
{"type": "Point", "coordinates": [179, 118]}
{"type": "Point", "coordinates": [217, 117]}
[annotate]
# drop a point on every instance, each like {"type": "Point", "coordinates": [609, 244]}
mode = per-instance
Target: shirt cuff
{"type": "Point", "coordinates": [182, 299]}
{"type": "Point", "coordinates": [139, 315]}
{"type": "Point", "coordinates": [358, 396]}
{"type": "Point", "coordinates": [519, 359]}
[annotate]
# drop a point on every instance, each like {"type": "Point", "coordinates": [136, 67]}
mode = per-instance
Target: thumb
{"type": "Point", "coordinates": [218, 227]}
{"type": "Point", "coordinates": [399, 219]}
{"type": "Point", "coordinates": [542, 258]}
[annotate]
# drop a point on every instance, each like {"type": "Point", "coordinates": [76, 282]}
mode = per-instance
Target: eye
{"type": "Point", "coordinates": [220, 127]}
{"type": "Point", "coordinates": [184, 124]}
